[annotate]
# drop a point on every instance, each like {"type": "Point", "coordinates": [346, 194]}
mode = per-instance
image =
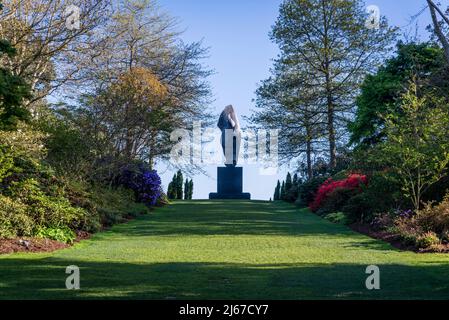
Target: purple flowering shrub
{"type": "Point", "coordinates": [145, 183]}
{"type": "Point", "coordinates": [406, 214]}
{"type": "Point", "coordinates": [385, 221]}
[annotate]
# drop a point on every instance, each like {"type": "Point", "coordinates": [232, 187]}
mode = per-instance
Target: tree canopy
{"type": "Point", "coordinates": [326, 50]}
{"type": "Point", "coordinates": [13, 92]}
{"type": "Point", "coordinates": [381, 92]}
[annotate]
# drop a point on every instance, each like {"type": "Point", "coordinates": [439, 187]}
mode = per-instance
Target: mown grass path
{"type": "Point", "coordinates": [227, 250]}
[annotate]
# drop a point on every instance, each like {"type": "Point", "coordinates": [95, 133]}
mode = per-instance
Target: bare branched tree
{"type": "Point", "coordinates": [141, 41]}
{"type": "Point", "coordinates": [45, 42]}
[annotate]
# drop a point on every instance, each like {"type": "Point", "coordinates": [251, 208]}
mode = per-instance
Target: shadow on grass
{"type": "Point", "coordinates": [234, 218]}
{"type": "Point", "coordinates": [31, 277]}
{"type": "Point", "coordinates": [231, 218]}
{"type": "Point", "coordinates": [45, 278]}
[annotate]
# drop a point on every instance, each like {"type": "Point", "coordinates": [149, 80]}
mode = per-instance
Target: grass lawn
{"type": "Point", "coordinates": [227, 250]}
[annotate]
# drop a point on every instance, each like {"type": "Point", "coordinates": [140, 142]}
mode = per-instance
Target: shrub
{"type": "Point", "coordinates": [13, 219]}
{"type": "Point", "coordinates": [92, 223]}
{"type": "Point", "coordinates": [145, 183]}
{"type": "Point", "coordinates": [427, 240]}
{"type": "Point", "coordinates": [36, 200]}
{"type": "Point", "coordinates": [110, 205]}
{"type": "Point", "coordinates": [445, 236]}
{"type": "Point", "coordinates": [407, 230]}
{"type": "Point", "coordinates": [307, 191]}
{"type": "Point", "coordinates": [44, 209]}
{"type": "Point", "coordinates": [353, 182]}
{"type": "Point", "coordinates": [335, 200]}
{"type": "Point", "coordinates": [379, 196]}
{"type": "Point", "coordinates": [412, 233]}
{"type": "Point", "coordinates": [58, 212]}
{"type": "Point", "coordinates": [6, 161]}
{"type": "Point", "coordinates": [427, 227]}
{"type": "Point", "coordinates": [337, 217]}
{"type": "Point", "coordinates": [69, 148]}
{"type": "Point", "coordinates": [61, 234]}
{"type": "Point", "coordinates": [410, 238]}
{"type": "Point", "coordinates": [109, 217]}
{"type": "Point", "coordinates": [361, 207]}
{"type": "Point", "coordinates": [435, 217]}
{"type": "Point", "coordinates": [382, 221]}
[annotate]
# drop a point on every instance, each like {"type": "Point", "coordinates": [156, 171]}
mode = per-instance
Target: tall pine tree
{"type": "Point", "coordinates": [170, 191]}
{"type": "Point", "coordinates": [179, 185]}
{"type": "Point", "coordinates": [186, 190]}
{"type": "Point", "coordinates": [277, 192]}
{"type": "Point", "coordinates": [288, 183]}
{"type": "Point", "coordinates": [331, 40]}
{"type": "Point", "coordinates": [191, 189]}
{"type": "Point", "coordinates": [283, 190]}
{"type": "Point", "coordinates": [295, 179]}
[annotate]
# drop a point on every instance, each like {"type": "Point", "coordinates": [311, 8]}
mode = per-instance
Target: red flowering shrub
{"type": "Point", "coordinates": [352, 182]}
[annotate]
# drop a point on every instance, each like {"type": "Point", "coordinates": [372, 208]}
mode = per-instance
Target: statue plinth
{"type": "Point", "coordinates": [230, 184]}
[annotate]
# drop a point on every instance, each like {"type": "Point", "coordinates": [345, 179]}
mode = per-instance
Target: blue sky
{"type": "Point", "coordinates": [236, 31]}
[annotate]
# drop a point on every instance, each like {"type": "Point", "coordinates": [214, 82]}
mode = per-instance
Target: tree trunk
{"type": "Point", "coordinates": [309, 152]}
{"type": "Point", "coordinates": [329, 96]}
{"type": "Point", "coordinates": [151, 152]}
{"type": "Point", "coordinates": [128, 146]}
{"type": "Point", "coordinates": [437, 28]}
{"type": "Point", "coordinates": [309, 160]}
{"type": "Point", "coordinates": [331, 130]}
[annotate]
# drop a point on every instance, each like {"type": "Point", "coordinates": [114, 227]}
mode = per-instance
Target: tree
{"type": "Point", "coordinates": [417, 143]}
{"type": "Point", "coordinates": [187, 190]}
{"type": "Point", "coordinates": [140, 35]}
{"type": "Point", "coordinates": [191, 189]}
{"type": "Point", "coordinates": [133, 113]}
{"type": "Point", "coordinates": [144, 82]}
{"type": "Point", "coordinates": [13, 91]}
{"type": "Point", "coordinates": [331, 49]}
{"type": "Point", "coordinates": [45, 45]}
{"type": "Point", "coordinates": [438, 26]}
{"type": "Point", "coordinates": [295, 179]}
{"type": "Point", "coordinates": [170, 191]}
{"type": "Point", "coordinates": [282, 102]}
{"type": "Point", "coordinates": [283, 191]}
{"type": "Point", "coordinates": [288, 182]}
{"type": "Point", "coordinates": [381, 92]}
{"type": "Point", "coordinates": [291, 188]}
{"type": "Point", "coordinates": [277, 192]}
{"type": "Point", "coordinates": [179, 182]}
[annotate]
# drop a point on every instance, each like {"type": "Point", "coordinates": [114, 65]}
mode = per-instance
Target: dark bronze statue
{"type": "Point", "coordinates": [230, 135]}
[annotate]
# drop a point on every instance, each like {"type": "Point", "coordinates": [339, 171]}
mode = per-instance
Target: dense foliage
{"type": "Point", "coordinates": [145, 183]}
{"type": "Point", "coordinates": [330, 187]}
{"type": "Point", "coordinates": [121, 82]}
{"type": "Point", "coordinates": [399, 148]}
{"type": "Point", "coordinates": [325, 51]}
{"type": "Point", "coordinates": [381, 92]}
{"type": "Point", "coordinates": [13, 90]}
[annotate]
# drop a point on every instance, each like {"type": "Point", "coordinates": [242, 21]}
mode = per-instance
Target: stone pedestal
{"type": "Point", "coordinates": [229, 184]}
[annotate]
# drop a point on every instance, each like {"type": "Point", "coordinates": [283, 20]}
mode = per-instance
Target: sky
{"type": "Point", "coordinates": [241, 55]}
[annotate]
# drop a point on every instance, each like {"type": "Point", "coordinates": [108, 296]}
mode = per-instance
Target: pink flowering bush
{"type": "Point", "coordinates": [352, 182]}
